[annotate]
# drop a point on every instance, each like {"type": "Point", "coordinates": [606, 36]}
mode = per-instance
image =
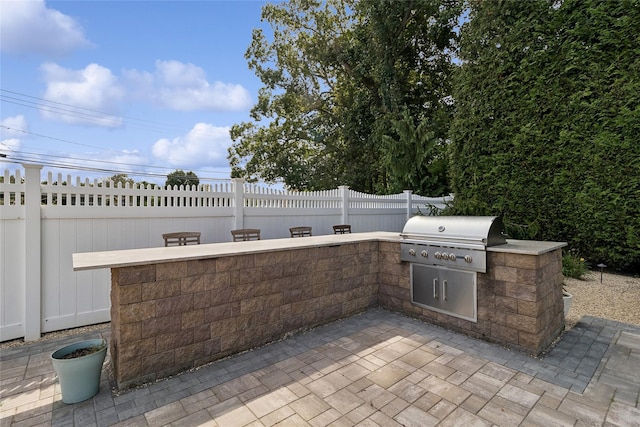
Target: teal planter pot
{"type": "Point", "coordinates": [79, 376]}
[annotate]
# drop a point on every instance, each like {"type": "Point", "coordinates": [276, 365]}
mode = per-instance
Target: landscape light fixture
{"type": "Point", "coordinates": [602, 267]}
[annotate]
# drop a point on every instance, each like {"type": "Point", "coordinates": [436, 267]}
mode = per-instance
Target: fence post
{"type": "Point", "coordinates": [238, 203]}
{"type": "Point", "coordinates": [344, 194]}
{"type": "Point", "coordinates": [33, 255]}
{"type": "Point", "coordinates": [407, 194]}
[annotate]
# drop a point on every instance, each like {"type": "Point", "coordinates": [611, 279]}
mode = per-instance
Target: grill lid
{"type": "Point", "coordinates": [456, 230]}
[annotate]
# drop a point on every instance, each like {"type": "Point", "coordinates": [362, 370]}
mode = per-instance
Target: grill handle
{"type": "Point", "coordinates": [444, 290]}
{"type": "Point", "coordinates": [435, 288]}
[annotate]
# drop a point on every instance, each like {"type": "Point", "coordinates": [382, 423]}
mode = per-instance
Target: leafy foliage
{"type": "Point", "coordinates": [353, 90]}
{"type": "Point", "coordinates": [573, 265]}
{"type": "Point", "coordinates": [547, 123]}
{"type": "Point", "coordinates": [181, 178]}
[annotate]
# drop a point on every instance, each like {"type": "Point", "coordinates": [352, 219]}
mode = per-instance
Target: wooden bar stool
{"type": "Point", "coordinates": [300, 231]}
{"type": "Point", "coordinates": [342, 229]}
{"type": "Point", "coordinates": [244, 234]}
{"type": "Point", "coordinates": [182, 238]}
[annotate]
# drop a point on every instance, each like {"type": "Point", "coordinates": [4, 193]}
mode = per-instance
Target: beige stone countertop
{"type": "Point", "coordinates": [145, 256]}
{"type": "Point", "coordinates": [155, 255]}
{"type": "Point", "coordinates": [527, 247]}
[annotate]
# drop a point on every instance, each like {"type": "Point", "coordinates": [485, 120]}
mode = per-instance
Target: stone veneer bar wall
{"type": "Point", "coordinates": [519, 298]}
{"type": "Point", "coordinates": [170, 316]}
{"type": "Point", "coordinates": [173, 316]}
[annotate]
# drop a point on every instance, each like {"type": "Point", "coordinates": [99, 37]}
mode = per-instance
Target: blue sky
{"type": "Point", "coordinates": [138, 87]}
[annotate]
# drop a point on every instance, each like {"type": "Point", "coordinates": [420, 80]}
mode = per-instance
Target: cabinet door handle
{"type": "Point", "coordinates": [435, 288]}
{"type": "Point", "coordinates": [444, 290]}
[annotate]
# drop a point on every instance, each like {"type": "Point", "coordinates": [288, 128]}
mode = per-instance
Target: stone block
{"type": "Point", "coordinates": [389, 257]}
{"type": "Point", "coordinates": [232, 263]}
{"type": "Point", "coordinates": [272, 258]}
{"type": "Point", "coordinates": [521, 292]}
{"type": "Point", "coordinates": [156, 326]}
{"type": "Point", "coordinates": [186, 355]}
{"type": "Point", "coordinates": [523, 323]}
{"type": "Point", "coordinates": [135, 349]}
{"type": "Point", "coordinates": [302, 256]}
{"type": "Point", "coordinates": [174, 340]}
{"type": "Point", "coordinates": [128, 294]}
{"type": "Point", "coordinates": [251, 305]}
{"type": "Point", "coordinates": [136, 274]}
{"type": "Point", "coordinates": [202, 299]}
{"type": "Point", "coordinates": [201, 267]}
{"type": "Point", "coordinates": [128, 371]}
{"type": "Point", "coordinates": [174, 305]}
{"type": "Point", "coordinates": [211, 347]}
{"type": "Point", "coordinates": [506, 304]}
{"type": "Point", "coordinates": [191, 319]}
{"type": "Point", "coordinates": [154, 363]}
{"type": "Point", "coordinates": [231, 343]}
{"type": "Point", "coordinates": [222, 296]}
{"type": "Point", "coordinates": [531, 341]}
{"type": "Point", "coordinates": [504, 333]}
{"type": "Point", "coordinates": [137, 312]}
{"type": "Point", "coordinates": [296, 269]}
{"type": "Point", "coordinates": [223, 327]}
{"type": "Point", "coordinates": [527, 262]}
{"type": "Point", "coordinates": [217, 312]}
{"type": "Point", "coordinates": [496, 258]}
{"type": "Point", "coordinates": [193, 284]}
{"type": "Point", "coordinates": [506, 274]}
{"type": "Point", "coordinates": [272, 271]}
{"type": "Point", "coordinates": [202, 332]}
{"type": "Point", "coordinates": [217, 281]}
{"type": "Point", "coordinates": [387, 279]}
{"type": "Point", "coordinates": [527, 277]}
{"type": "Point", "coordinates": [171, 270]}
{"type": "Point", "coordinates": [160, 289]}
{"type": "Point", "coordinates": [130, 332]}
{"type": "Point", "coordinates": [531, 309]}
{"type": "Point", "coordinates": [388, 246]}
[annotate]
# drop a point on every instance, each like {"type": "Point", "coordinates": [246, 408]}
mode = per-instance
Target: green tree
{"type": "Point", "coordinates": [337, 75]}
{"type": "Point", "coordinates": [181, 178]}
{"type": "Point", "coordinates": [546, 123]}
{"type": "Point", "coordinates": [122, 178]}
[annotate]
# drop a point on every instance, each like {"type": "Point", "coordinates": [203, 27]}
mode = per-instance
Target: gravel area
{"type": "Point", "coordinates": [616, 298]}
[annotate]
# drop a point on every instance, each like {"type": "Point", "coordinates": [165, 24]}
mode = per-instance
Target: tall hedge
{"type": "Point", "coordinates": [547, 124]}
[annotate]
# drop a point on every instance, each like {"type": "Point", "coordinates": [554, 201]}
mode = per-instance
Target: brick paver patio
{"type": "Point", "coordinates": [374, 369]}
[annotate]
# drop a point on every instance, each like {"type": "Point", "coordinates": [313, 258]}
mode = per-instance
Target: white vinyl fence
{"type": "Point", "coordinates": [43, 223]}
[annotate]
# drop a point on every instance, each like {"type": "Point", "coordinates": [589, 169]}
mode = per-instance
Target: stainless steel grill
{"type": "Point", "coordinates": [446, 253]}
{"type": "Point", "coordinates": [458, 242]}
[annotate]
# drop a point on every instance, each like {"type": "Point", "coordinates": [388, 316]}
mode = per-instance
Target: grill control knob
{"type": "Point", "coordinates": [438, 255]}
{"type": "Point", "coordinates": [412, 252]}
{"type": "Point", "coordinates": [425, 254]}
{"type": "Point", "coordinates": [452, 257]}
{"type": "Point", "coordinates": [445, 256]}
{"type": "Point", "coordinates": [468, 259]}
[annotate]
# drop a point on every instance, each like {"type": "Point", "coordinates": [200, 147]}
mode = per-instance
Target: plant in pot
{"type": "Point", "coordinates": [567, 298]}
{"type": "Point", "coordinates": [79, 366]}
{"type": "Point", "coordinates": [574, 266]}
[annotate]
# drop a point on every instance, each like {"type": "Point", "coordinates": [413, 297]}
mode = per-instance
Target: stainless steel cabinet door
{"type": "Point", "coordinates": [452, 292]}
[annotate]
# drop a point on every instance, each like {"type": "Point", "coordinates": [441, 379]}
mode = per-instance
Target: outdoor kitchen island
{"type": "Point", "coordinates": [175, 308]}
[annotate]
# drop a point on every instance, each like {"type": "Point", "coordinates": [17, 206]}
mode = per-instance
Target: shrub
{"type": "Point", "coordinates": [573, 265]}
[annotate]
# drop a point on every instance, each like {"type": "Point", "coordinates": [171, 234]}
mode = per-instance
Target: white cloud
{"type": "Point", "coordinates": [184, 87]}
{"type": "Point", "coordinates": [30, 27]}
{"type": "Point", "coordinates": [10, 136]}
{"type": "Point", "coordinates": [87, 96]}
{"type": "Point", "coordinates": [204, 146]}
